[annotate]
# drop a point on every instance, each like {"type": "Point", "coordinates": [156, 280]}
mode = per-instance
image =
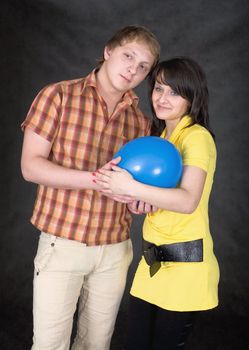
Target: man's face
{"type": "Point", "coordinates": [127, 66]}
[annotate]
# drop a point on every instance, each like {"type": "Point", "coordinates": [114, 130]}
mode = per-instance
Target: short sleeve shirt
{"type": "Point", "coordinates": [183, 286]}
{"type": "Point", "coordinates": [73, 117]}
{"type": "Point", "coordinates": [197, 148]}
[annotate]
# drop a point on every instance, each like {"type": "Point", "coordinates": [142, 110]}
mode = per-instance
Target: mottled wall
{"type": "Point", "coordinates": [52, 40]}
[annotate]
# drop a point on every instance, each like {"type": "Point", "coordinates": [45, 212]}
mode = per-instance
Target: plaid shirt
{"type": "Point", "coordinates": [73, 117]}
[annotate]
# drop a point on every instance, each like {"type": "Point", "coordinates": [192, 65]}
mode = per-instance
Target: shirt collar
{"type": "Point", "coordinates": [184, 122]}
{"type": "Point", "coordinates": [129, 97]}
{"type": "Point", "coordinates": [91, 79]}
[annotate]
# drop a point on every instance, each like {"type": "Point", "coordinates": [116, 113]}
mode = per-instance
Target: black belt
{"type": "Point", "coordinates": [191, 251]}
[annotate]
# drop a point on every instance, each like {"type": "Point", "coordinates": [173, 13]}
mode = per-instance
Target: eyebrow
{"type": "Point", "coordinates": [134, 53]}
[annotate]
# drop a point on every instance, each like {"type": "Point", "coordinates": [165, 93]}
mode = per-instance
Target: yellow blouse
{"type": "Point", "coordinates": [181, 286]}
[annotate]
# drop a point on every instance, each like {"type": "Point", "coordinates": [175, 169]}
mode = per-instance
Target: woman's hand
{"type": "Point", "coordinates": [108, 167]}
{"type": "Point", "coordinates": [116, 181]}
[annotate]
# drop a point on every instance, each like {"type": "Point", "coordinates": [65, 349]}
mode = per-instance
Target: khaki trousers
{"type": "Point", "coordinates": [68, 272]}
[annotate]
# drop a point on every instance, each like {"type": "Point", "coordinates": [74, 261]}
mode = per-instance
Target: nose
{"type": "Point", "coordinates": [163, 98]}
{"type": "Point", "coordinates": [132, 68]}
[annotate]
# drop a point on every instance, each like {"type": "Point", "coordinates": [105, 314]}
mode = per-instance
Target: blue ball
{"type": "Point", "coordinates": [152, 161]}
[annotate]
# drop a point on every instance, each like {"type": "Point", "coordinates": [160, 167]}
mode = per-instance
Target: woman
{"type": "Point", "coordinates": [178, 274]}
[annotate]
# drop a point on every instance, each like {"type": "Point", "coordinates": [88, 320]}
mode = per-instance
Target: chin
{"type": "Point", "coordinates": [122, 89]}
{"type": "Point", "coordinates": [161, 117]}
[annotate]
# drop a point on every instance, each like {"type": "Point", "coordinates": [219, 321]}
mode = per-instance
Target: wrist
{"type": "Point", "coordinates": [132, 188]}
{"type": "Point", "coordinates": [92, 181]}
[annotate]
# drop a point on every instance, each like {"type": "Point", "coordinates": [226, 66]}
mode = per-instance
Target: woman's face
{"type": "Point", "coordinates": [168, 105]}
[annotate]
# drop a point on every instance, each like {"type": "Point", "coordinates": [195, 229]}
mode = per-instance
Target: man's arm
{"type": "Point", "coordinates": [37, 168]}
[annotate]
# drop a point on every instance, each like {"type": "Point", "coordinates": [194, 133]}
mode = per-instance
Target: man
{"type": "Point", "coordinates": [73, 128]}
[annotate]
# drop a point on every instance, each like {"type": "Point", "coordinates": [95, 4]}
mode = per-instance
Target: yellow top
{"type": "Point", "coordinates": [181, 286]}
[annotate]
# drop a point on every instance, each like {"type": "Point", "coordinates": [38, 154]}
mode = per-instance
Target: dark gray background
{"type": "Point", "coordinates": [52, 40]}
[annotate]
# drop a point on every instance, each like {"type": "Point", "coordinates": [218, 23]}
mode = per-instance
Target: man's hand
{"type": "Point", "coordinates": [140, 207]}
{"type": "Point", "coordinates": [121, 199]}
{"type": "Point", "coordinates": [118, 198]}
{"type": "Point", "coordinates": [108, 166]}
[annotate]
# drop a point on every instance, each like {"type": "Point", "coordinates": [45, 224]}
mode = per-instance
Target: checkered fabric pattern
{"type": "Point", "coordinates": [73, 117]}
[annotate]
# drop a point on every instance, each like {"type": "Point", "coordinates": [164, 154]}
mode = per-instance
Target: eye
{"type": "Point", "coordinates": [128, 56]}
{"type": "Point", "coordinates": [143, 67]}
{"type": "Point", "coordinates": [158, 89]}
{"type": "Point", "coordinates": [173, 93]}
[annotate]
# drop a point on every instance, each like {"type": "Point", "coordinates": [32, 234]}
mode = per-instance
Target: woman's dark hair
{"type": "Point", "coordinates": [187, 79]}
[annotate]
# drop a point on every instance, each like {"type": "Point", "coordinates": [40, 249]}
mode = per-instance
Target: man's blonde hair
{"type": "Point", "coordinates": [135, 33]}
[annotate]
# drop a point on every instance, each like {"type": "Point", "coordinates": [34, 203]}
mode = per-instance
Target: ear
{"type": "Point", "coordinates": [107, 53]}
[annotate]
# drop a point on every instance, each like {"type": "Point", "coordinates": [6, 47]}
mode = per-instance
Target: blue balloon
{"type": "Point", "coordinates": [152, 161]}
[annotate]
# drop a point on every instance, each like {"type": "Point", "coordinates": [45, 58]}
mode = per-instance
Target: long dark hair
{"type": "Point", "coordinates": [187, 79]}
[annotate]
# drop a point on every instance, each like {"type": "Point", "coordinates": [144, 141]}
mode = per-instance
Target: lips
{"type": "Point", "coordinates": [162, 108]}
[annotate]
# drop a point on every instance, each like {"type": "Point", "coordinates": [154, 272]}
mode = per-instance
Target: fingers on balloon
{"type": "Point", "coordinates": [115, 160]}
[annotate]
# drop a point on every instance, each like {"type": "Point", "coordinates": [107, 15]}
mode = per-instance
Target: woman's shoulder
{"type": "Point", "coordinates": [197, 140]}
{"type": "Point", "coordinates": [196, 128]}
{"type": "Point", "coordinates": [196, 132]}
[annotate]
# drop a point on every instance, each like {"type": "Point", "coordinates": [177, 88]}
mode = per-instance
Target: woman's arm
{"type": "Point", "coordinates": [184, 199]}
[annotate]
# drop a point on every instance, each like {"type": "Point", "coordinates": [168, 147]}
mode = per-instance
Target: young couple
{"type": "Point", "coordinates": [73, 129]}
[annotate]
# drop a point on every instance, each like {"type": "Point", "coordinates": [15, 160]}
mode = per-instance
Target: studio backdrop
{"type": "Point", "coordinates": [46, 41]}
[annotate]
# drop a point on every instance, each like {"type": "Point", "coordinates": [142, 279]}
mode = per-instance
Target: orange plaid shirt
{"type": "Point", "coordinates": [73, 117]}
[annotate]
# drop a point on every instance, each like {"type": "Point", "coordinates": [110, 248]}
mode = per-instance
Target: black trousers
{"type": "Point", "coordinates": [153, 328]}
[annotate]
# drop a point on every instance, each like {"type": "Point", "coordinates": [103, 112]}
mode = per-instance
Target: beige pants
{"type": "Point", "coordinates": [67, 272]}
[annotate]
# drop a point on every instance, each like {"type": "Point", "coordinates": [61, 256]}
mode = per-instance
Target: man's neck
{"type": "Point", "coordinates": [109, 94]}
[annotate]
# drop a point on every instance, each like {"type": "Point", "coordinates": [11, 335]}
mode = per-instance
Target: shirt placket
{"type": "Point", "coordinates": [105, 137]}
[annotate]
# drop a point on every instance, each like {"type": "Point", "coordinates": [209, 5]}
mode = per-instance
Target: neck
{"type": "Point", "coordinates": [171, 125]}
{"type": "Point", "coordinates": [109, 93]}
{"type": "Point", "coordinates": [169, 129]}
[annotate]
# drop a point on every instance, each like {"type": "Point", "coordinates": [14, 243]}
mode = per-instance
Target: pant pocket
{"type": "Point", "coordinates": [44, 252]}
